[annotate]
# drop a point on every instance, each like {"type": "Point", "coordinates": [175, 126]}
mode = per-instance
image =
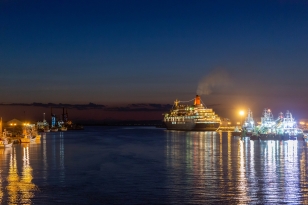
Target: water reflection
{"type": "Point", "coordinates": [291, 173]}
{"type": "Point", "coordinates": [61, 152]}
{"type": "Point", "coordinates": [20, 187]}
{"type": "Point", "coordinates": [216, 167]}
{"type": "Point", "coordinates": [303, 175]}
{"type": "Point", "coordinates": [17, 173]}
{"type": "Point", "coordinates": [44, 154]}
{"type": "Point", "coordinates": [242, 179]}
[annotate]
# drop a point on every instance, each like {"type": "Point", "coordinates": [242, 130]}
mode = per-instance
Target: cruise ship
{"type": "Point", "coordinates": [194, 117]}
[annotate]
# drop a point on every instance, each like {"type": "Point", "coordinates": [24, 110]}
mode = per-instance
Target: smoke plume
{"type": "Point", "coordinates": [215, 80]}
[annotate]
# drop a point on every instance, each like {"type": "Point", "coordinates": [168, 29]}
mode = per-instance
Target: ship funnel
{"type": "Point", "coordinates": [197, 100]}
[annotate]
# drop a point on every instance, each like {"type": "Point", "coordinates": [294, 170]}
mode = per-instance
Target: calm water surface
{"type": "Point", "coordinates": [146, 165]}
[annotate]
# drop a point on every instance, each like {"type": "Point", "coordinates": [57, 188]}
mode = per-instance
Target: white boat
{"type": "Point", "coordinates": [249, 124]}
{"type": "Point", "coordinates": [283, 128]}
{"type": "Point", "coordinates": [54, 129]}
{"type": "Point", "coordinates": [41, 125]}
{"type": "Point", "coordinates": [237, 132]}
{"type": "Point", "coordinates": [5, 143]}
{"type": "Point", "coordinates": [8, 145]}
{"type": "Point", "coordinates": [267, 122]}
{"type": "Point", "coordinates": [46, 130]}
{"type": "Point", "coordinates": [63, 129]}
{"type": "Point", "coordinates": [32, 138]}
{"type": "Point", "coordinates": [287, 126]}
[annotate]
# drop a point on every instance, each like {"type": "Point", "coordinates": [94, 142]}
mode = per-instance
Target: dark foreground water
{"type": "Point", "coordinates": [146, 165]}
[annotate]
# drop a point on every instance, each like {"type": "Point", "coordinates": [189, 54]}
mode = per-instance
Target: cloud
{"type": "Point", "coordinates": [130, 107]}
{"type": "Point", "coordinates": [215, 80]}
{"type": "Point", "coordinates": [60, 105]}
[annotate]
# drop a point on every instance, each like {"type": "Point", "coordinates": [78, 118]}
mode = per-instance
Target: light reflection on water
{"type": "Point", "coordinates": [20, 189]}
{"type": "Point", "coordinates": [221, 168]}
{"type": "Point", "coordinates": [137, 165]}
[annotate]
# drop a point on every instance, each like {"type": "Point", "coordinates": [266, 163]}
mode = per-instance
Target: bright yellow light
{"type": "Point", "coordinates": [15, 124]}
{"type": "Point", "coordinates": [238, 123]}
{"type": "Point", "coordinates": [242, 112]}
{"type": "Point", "coordinates": [229, 123]}
{"type": "Point", "coordinates": [259, 123]}
{"type": "Point", "coordinates": [11, 124]}
{"type": "Point", "coordinates": [302, 123]}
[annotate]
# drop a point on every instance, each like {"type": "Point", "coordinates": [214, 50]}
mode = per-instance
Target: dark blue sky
{"type": "Point", "coordinates": [154, 51]}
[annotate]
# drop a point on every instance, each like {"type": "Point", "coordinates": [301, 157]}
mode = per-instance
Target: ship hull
{"type": "Point", "coordinates": [275, 137]}
{"type": "Point", "coordinates": [206, 126]}
{"type": "Point", "coordinates": [236, 133]}
{"type": "Point", "coordinates": [248, 132]}
{"type": "Point", "coordinates": [191, 126]}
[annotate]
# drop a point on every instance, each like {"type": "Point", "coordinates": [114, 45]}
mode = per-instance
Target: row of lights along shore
{"type": "Point", "coordinates": [14, 124]}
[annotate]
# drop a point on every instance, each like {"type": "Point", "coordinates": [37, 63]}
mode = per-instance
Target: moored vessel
{"type": "Point", "coordinates": [63, 129]}
{"type": "Point", "coordinates": [54, 129]}
{"type": "Point", "coordinates": [46, 129]}
{"type": "Point", "coordinates": [5, 143]}
{"type": "Point", "coordinates": [29, 133]}
{"type": "Point", "coordinates": [283, 128]}
{"type": "Point", "coordinates": [41, 125]}
{"type": "Point", "coordinates": [287, 127]}
{"type": "Point", "coordinates": [236, 132]}
{"type": "Point", "coordinates": [249, 124]}
{"type": "Point", "coordinates": [194, 117]}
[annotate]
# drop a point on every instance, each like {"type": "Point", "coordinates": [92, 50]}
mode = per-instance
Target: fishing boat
{"type": "Point", "coordinates": [287, 127]}
{"type": "Point", "coordinates": [249, 124]}
{"type": "Point", "coordinates": [4, 143]}
{"type": "Point", "coordinates": [283, 128]}
{"type": "Point", "coordinates": [267, 122]}
{"type": "Point", "coordinates": [54, 129]}
{"type": "Point", "coordinates": [42, 125]}
{"type": "Point", "coordinates": [194, 117]}
{"type": "Point", "coordinates": [29, 133]}
{"type": "Point", "coordinates": [63, 129]}
{"type": "Point", "coordinates": [236, 132]}
{"type": "Point", "coordinates": [46, 129]}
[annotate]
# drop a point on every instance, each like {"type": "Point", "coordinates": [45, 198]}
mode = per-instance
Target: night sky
{"type": "Point", "coordinates": [235, 54]}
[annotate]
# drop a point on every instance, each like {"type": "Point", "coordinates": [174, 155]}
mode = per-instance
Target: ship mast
{"type": "Point", "coordinates": [176, 102]}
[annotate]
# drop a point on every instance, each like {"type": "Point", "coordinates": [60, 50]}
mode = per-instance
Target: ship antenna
{"type": "Point", "coordinates": [176, 102]}
{"type": "Point", "coordinates": [203, 103]}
